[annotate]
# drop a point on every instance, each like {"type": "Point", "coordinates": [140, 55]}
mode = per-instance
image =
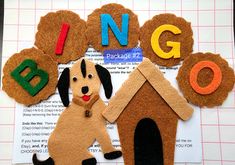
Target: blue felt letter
{"type": "Point", "coordinates": [107, 20]}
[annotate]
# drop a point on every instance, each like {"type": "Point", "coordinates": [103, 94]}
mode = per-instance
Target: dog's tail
{"type": "Point", "coordinates": [49, 161]}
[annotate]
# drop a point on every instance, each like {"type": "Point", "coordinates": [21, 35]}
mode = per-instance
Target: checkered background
{"type": "Point", "coordinates": [212, 24]}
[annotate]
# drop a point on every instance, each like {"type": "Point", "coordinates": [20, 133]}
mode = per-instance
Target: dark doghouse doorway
{"type": "Point", "coordinates": [148, 143]}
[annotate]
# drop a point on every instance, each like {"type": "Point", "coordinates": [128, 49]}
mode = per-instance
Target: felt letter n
{"type": "Point", "coordinates": [24, 81]}
{"type": "Point", "coordinates": [175, 51]}
{"type": "Point", "coordinates": [107, 20]}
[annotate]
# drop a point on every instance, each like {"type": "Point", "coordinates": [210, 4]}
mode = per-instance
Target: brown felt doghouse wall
{"type": "Point", "coordinates": [147, 103]}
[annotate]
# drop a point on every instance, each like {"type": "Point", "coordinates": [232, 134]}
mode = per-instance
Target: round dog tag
{"type": "Point", "coordinates": [88, 113]}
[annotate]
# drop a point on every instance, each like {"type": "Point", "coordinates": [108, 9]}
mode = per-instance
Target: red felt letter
{"type": "Point", "coordinates": [61, 40]}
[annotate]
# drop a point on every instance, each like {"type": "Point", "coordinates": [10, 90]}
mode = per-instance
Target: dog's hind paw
{"type": "Point", "coordinates": [113, 155]}
{"type": "Point", "coordinates": [35, 160]}
{"type": "Point", "coordinates": [90, 161]}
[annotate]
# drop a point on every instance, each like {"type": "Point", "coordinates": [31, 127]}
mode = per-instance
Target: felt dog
{"type": "Point", "coordinates": [81, 123]}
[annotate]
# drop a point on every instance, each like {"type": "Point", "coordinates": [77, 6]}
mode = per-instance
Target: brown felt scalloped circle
{"type": "Point", "coordinates": [93, 31]}
{"type": "Point", "coordinates": [185, 38]}
{"type": "Point", "coordinates": [205, 77]}
{"type": "Point", "coordinates": [48, 32]}
{"type": "Point", "coordinates": [44, 62]}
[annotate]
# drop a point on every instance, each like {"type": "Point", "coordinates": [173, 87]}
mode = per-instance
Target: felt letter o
{"type": "Point", "coordinates": [175, 51]}
{"type": "Point", "coordinates": [215, 83]}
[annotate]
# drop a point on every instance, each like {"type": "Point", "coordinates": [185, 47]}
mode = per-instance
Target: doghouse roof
{"type": "Point", "coordinates": [146, 71]}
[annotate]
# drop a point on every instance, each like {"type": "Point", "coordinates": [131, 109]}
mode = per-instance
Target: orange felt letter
{"type": "Point", "coordinates": [215, 83]}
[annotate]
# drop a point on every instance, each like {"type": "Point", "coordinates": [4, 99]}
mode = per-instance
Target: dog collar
{"type": "Point", "coordinates": [87, 105]}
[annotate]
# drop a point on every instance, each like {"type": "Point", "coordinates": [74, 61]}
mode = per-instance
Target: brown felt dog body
{"type": "Point", "coordinates": [77, 130]}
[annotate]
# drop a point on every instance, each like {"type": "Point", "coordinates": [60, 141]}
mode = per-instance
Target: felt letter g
{"type": "Point", "coordinates": [25, 81]}
{"type": "Point", "coordinates": [175, 51]}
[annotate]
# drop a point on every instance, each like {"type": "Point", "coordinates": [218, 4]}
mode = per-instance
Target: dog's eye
{"type": "Point", "coordinates": [75, 79]}
{"type": "Point", "coordinates": [90, 76]}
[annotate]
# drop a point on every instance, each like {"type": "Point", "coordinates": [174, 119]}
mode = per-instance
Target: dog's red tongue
{"type": "Point", "coordinates": [86, 98]}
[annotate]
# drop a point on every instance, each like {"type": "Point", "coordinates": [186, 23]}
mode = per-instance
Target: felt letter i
{"type": "Point", "coordinates": [24, 81]}
{"type": "Point", "coordinates": [107, 20]}
{"type": "Point", "coordinates": [61, 40]}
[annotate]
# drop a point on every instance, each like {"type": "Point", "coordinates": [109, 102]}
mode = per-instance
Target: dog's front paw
{"type": "Point", "coordinates": [90, 161]}
{"type": "Point", "coordinates": [113, 155]}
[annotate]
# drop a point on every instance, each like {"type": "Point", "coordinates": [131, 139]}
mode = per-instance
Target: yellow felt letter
{"type": "Point", "coordinates": [175, 51]}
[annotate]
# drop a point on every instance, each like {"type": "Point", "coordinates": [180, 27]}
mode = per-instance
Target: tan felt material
{"type": "Point", "coordinates": [121, 99]}
{"type": "Point", "coordinates": [44, 62]}
{"type": "Point", "coordinates": [147, 103]}
{"type": "Point", "coordinates": [205, 77]}
{"type": "Point", "coordinates": [74, 133]}
{"type": "Point", "coordinates": [93, 31]}
{"type": "Point", "coordinates": [48, 33]}
{"type": "Point", "coordinates": [185, 38]}
{"type": "Point", "coordinates": [151, 74]}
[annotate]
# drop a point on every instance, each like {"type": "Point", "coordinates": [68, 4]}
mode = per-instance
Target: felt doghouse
{"type": "Point", "coordinates": [147, 109]}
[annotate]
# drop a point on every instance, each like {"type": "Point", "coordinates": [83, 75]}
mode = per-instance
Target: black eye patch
{"type": "Point", "coordinates": [83, 68]}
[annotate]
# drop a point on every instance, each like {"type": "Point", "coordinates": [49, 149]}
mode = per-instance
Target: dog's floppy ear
{"type": "Point", "coordinates": [63, 86]}
{"type": "Point", "coordinates": [105, 79]}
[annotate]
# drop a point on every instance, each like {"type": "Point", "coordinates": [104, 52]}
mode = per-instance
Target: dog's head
{"type": "Point", "coordinates": [84, 79]}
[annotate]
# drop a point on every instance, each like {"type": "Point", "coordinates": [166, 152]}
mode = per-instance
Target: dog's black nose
{"type": "Point", "coordinates": [85, 89]}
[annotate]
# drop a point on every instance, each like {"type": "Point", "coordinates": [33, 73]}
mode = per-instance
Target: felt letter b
{"type": "Point", "coordinates": [107, 20]}
{"type": "Point", "coordinates": [24, 81]}
{"type": "Point", "coordinates": [175, 51]}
